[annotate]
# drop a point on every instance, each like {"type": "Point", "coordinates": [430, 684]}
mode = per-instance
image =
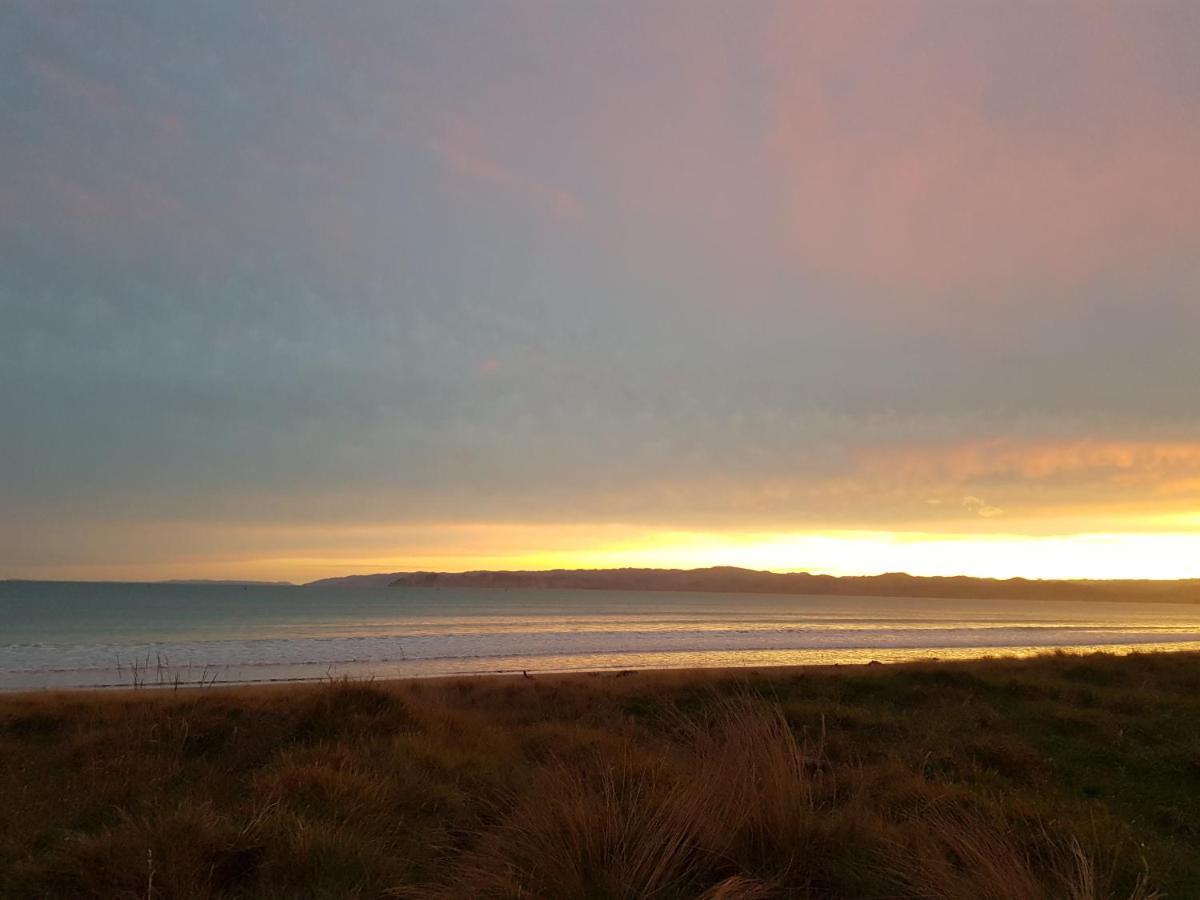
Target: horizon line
{"type": "Point", "coordinates": [234, 582]}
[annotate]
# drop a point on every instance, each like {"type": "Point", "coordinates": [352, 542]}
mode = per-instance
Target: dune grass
{"type": "Point", "coordinates": [1054, 777]}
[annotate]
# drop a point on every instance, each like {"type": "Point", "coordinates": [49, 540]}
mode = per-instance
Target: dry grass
{"type": "Point", "coordinates": [995, 779]}
{"type": "Point", "coordinates": [742, 808]}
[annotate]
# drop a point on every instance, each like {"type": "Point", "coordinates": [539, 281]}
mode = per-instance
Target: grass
{"type": "Point", "coordinates": [1054, 777]}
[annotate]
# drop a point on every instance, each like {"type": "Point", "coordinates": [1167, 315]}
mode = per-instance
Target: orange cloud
{"type": "Point", "coordinates": [1113, 461]}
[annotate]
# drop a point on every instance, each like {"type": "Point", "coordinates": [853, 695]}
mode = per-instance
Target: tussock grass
{"type": "Point", "coordinates": [992, 779]}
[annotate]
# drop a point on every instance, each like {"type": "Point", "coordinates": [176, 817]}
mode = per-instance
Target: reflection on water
{"type": "Point", "coordinates": [70, 635]}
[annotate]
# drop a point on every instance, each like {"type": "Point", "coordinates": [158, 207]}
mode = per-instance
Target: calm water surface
{"type": "Point", "coordinates": [91, 635]}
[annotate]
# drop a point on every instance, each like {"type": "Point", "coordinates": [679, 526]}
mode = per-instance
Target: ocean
{"type": "Point", "coordinates": [69, 635]}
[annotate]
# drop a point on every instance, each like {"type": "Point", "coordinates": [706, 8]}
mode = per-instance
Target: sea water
{"type": "Point", "coordinates": [55, 635]}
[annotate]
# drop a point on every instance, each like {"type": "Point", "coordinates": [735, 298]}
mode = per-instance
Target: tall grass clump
{"type": "Point", "coordinates": [991, 779]}
{"type": "Point", "coordinates": [740, 807]}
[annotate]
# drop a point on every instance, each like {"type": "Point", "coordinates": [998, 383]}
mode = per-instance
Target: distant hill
{"type": "Point", "coordinates": [383, 579]}
{"type": "Point", "coordinates": [226, 582]}
{"type": "Point", "coordinates": [215, 582]}
{"type": "Point", "coordinates": [730, 579]}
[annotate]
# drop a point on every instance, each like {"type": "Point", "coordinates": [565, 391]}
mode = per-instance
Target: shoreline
{"type": "Point", "coordinates": [531, 674]}
{"type": "Point", "coordinates": [72, 640]}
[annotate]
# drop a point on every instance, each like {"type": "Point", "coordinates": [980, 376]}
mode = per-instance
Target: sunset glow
{"type": "Point", "coordinates": [289, 292]}
{"type": "Point", "coordinates": [1154, 556]}
{"type": "Point", "coordinates": [598, 448]}
{"type": "Point", "coordinates": [1151, 554]}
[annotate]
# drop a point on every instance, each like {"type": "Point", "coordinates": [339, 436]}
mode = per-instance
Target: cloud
{"type": "Point", "coordinates": [71, 84]}
{"type": "Point", "coordinates": [1118, 462]}
{"type": "Point", "coordinates": [462, 149]}
{"type": "Point", "coordinates": [981, 509]}
{"type": "Point", "coordinates": [826, 262]}
{"type": "Point", "coordinates": [919, 154]}
{"type": "Point", "coordinates": [906, 158]}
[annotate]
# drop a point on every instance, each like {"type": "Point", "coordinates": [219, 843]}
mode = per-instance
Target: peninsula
{"type": "Point", "coordinates": [730, 579]}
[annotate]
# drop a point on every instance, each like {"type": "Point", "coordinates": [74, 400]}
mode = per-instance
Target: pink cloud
{"type": "Point", "coordinates": [904, 147]}
{"type": "Point", "coordinates": [462, 149]}
{"type": "Point", "coordinates": [912, 179]}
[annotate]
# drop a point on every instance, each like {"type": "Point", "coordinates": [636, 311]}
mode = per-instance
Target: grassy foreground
{"type": "Point", "coordinates": [1055, 777]}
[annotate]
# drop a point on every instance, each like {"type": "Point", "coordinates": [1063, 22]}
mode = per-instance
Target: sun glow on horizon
{"type": "Point", "coordinates": [1092, 556]}
{"type": "Point", "coordinates": [1115, 555]}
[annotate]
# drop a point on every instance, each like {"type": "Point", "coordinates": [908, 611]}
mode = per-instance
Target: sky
{"type": "Point", "coordinates": [299, 289]}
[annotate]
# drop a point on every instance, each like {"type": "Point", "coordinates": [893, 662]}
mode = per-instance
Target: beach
{"type": "Point", "coordinates": [69, 635]}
